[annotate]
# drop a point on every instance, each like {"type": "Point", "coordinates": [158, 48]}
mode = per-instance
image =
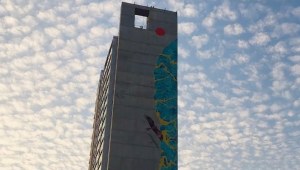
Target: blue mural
{"type": "Point", "coordinates": [165, 75]}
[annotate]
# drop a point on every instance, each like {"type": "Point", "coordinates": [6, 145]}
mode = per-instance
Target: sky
{"type": "Point", "coordinates": [239, 78]}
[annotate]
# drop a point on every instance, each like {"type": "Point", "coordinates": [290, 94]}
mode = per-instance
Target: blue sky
{"type": "Point", "coordinates": [239, 78]}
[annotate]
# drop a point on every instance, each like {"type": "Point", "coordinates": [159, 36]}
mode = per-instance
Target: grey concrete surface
{"type": "Point", "coordinates": [128, 141]}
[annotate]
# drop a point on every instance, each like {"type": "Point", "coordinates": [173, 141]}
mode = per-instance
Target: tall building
{"type": "Point", "coordinates": [135, 122]}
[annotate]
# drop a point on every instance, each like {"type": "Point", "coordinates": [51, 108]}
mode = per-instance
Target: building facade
{"type": "Point", "coordinates": [135, 122]}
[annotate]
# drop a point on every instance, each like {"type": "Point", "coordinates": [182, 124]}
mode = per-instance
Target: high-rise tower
{"type": "Point", "coordinates": [135, 122]}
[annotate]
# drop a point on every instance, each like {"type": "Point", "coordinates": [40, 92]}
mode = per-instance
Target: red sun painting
{"type": "Point", "coordinates": [160, 31]}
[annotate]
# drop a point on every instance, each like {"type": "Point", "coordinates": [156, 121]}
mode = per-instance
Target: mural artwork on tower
{"type": "Point", "coordinates": [165, 76]}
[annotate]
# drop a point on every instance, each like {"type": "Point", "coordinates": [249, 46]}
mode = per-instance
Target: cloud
{"type": "Point", "coordinates": [184, 9]}
{"type": "Point", "coordinates": [269, 21]}
{"type": "Point", "coordinates": [234, 29]}
{"type": "Point", "coordinates": [182, 52]}
{"type": "Point", "coordinates": [209, 21]}
{"type": "Point", "coordinates": [278, 49]}
{"type": "Point", "coordinates": [279, 85]}
{"type": "Point", "coordinates": [241, 58]}
{"type": "Point", "coordinates": [51, 67]}
{"type": "Point", "coordinates": [199, 40]}
{"type": "Point", "coordinates": [278, 71]}
{"type": "Point", "coordinates": [296, 103]}
{"type": "Point", "coordinates": [238, 102]}
{"type": "Point", "coordinates": [9, 21]}
{"type": "Point", "coordinates": [252, 73]}
{"type": "Point", "coordinates": [222, 12]}
{"type": "Point", "coordinates": [186, 28]}
{"type": "Point", "coordinates": [237, 59]}
{"type": "Point", "coordinates": [260, 39]}
{"type": "Point", "coordinates": [295, 69]}
{"type": "Point", "coordinates": [57, 43]}
{"type": "Point", "coordinates": [286, 28]}
{"type": "Point", "coordinates": [207, 54]}
{"type": "Point", "coordinates": [275, 107]}
{"type": "Point", "coordinates": [260, 108]}
{"type": "Point", "coordinates": [189, 10]}
{"type": "Point", "coordinates": [84, 22]}
{"type": "Point", "coordinates": [296, 12]}
{"type": "Point", "coordinates": [294, 43]}
{"type": "Point", "coordinates": [47, 16]}
{"type": "Point", "coordinates": [295, 58]}
{"type": "Point", "coordinates": [242, 44]}
{"type": "Point", "coordinates": [52, 32]}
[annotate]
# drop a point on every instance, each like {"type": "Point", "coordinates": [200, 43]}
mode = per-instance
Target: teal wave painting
{"type": "Point", "coordinates": [165, 75]}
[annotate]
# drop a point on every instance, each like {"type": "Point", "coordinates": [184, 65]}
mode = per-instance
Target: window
{"type": "Point", "coordinates": [141, 18]}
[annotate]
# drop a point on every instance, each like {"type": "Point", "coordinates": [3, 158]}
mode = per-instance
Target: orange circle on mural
{"type": "Point", "coordinates": [160, 31]}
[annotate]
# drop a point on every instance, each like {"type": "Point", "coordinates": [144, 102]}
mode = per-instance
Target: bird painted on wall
{"type": "Point", "coordinates": [153, 127]}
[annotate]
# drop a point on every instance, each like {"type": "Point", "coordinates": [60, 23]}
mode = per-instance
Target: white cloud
{"type": "Point", "coordinates": [269, 21]}
{"type": "Point", "coordinates": [84, 22]}
{"type": "Point", "coordinates": [278, 49]}
{"type": "Point", "coordinates": [209, 21]}
{"type": "Point", "coordinates": [295, 69]}
{"type": "Point", "coordinates": [57, 43]}
{"type": "Point", "coordinates": [50, 53]}
{"type": "Point", "coordinates": [260, 108]}
{"type": "Point", "coordinates": [199, 40]}
{"type": "Point", "coordinates": [82, 39]}
{"type": "Point", "coordinates": [47, 16]}
{"type": "Point", "coordinates": [100, 31]}
{"type": "Point", "coordinates": [296, 11]}
{"type": "Point", "coordinates": [295, 44]}
{"type": "Point", "coordinates": [278, 71]}
{"type": "Point", "coordinates": [242, 44]}
{"type": "Point", "coordinates": [82, 102]}
{"type": "Point", "coordinates": [219, 96]}
{"type": "Point", "coordinates": [222, 12]}
{"type": "Point", "coordinates": [260, 39]}
{"type": "Point", "coordinates": [192, 77]}
{"type": "Point", "coordinates": [182, 52]}
{"type": "Point", "coordinates": [238, 59]}
{"type": "Point", "coordinates": [279, 85]}
{"type": "Point", "coordinates": [98, 10]}
{"type": "Point", "coordinates": [189, 10]}
{"type": "Point", "coordinates": [50, 67]}
{"type": "Point", "coordinates": [52, 32]}
{"type": "Point", "coordinates": [206, 54]}
{"type": "Point", "coordinates": [234, 29]}
{"type": "Point", "coordinates": [296, 103]}
{"type": "Point", "coordinates": [295, 58]}
{"type": "Point", "coordinates": [286, 28]}
{"type": "Point", "coordinates": [9, 21]}
{"type": "Point", "coordinates": [186, 28]}
{"type": "Point", "coordinates": [181, 103]}
{"type": "Point", "coordinates": [239, 91]}
{"type": "Point", "coordinates": [184, 9]}
{"type": "Point", "coordinates": [68, 31]}
{"type": "Point", "coordinates": [241, 58]}
{"type": "Point", "coordinates": [46, 73]}
{"type": "Point", "coordinates": [19, 30]}
{"type": "Point", "coordinates": [275, 107]}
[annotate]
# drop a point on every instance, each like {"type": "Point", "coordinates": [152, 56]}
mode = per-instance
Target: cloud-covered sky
{"type": "Point", "coordinates": [239, 79]}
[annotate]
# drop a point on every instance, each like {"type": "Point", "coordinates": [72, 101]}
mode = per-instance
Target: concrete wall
{"type": "Point", "coordinates": [110, 96]}
{"type": "Point", "coordinates": [133, 144]}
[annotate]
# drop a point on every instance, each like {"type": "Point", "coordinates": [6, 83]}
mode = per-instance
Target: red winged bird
{"type": "Point", "coordinates": [153, 127]}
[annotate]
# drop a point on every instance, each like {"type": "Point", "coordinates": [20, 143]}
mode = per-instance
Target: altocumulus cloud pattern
{"type": "Point", "coordinates": [239, 79]}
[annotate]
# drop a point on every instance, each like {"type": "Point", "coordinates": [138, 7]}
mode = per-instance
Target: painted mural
{"type": "Point", "coordinates": [165, 75]}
